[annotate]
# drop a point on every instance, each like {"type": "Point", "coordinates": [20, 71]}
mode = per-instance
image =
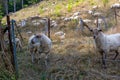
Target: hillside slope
{"type": "Point", "coordinates": [56, 8]}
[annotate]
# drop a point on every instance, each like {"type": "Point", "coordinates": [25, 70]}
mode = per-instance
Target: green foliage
{"type": "Point", "coordinates": [73, 3]}
{"type": "Point", "coordinates": [41, 10]}
{"type": "Point", "coordinates": [18, 5]}
{"type": "Point", "coordinates": [43, 76]}
{"type": "Point", "coordinates": [3, 22]}
{"type": "Point", "coordinates": [77, 3]}
{"type": "Point", "coordinates": [10, 6]}
{"type": "Point", "coordinates": [33, 1]}
{"type": "Point", "coordinates": [105, 2]}
{"type": "Point", "coordinates": [81, 1]}
{"type": "Point", "coordinates": [69, 7]}
{"type": "Point", "coordinates": [58, 7]}
{"type": "Point", "coordinates": [1, 12]}
{"type": "Point", "coordinates": [57, 10]}
{"type": "Point", "coordinates": [92, 2]}
{"type": "Point", "coordinates": [5, 75]}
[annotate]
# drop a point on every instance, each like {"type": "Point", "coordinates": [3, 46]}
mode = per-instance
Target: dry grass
{"type": "Point", "coordinates": [115, 29]}
{"type": "Point", "coordinates": [74, 58]}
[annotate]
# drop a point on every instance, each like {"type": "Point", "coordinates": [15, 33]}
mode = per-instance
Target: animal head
{"type": "Point", "coordinates": [95, 31]}
{"type": "Point", "coordinates": [38, 35]}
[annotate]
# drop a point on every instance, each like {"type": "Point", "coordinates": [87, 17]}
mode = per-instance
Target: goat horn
{"type": "Point", "coordinates": [84, 24]}
{"type": "Point", "coordinates": [97, 23]}
{"type": "Point", "coordinates": [104, 22]}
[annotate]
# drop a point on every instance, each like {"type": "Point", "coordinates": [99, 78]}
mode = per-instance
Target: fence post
{"type": "Point", "coordinates": [115, 15]}
{"type": "Point", "coordinates": [14, 48]}
{"type": "Point", "coordinates": [10, 41]}
{"type": "Point", "coordinates": [49, 27]}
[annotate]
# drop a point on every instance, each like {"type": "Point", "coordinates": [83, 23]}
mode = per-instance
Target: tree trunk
{"type": "Point", "coordinates": [6, 6]}
{"type": "Point", "coordinates": [22, 3]}
{"type": "Point", "coordinates": [14, 5]}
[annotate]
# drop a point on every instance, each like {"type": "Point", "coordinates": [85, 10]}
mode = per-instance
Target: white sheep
{"type": "Point", "coordinates": [39, 43]}
{"type": "Point", "coordinates": [105, 43]}
{"type": "Point", "coordinates": [17, 42]}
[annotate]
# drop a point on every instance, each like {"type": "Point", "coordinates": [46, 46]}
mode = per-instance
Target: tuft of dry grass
{"type": "Point", "coordinates": [113, 30]}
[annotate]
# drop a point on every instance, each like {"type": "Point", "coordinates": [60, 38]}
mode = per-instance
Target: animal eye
{"type": "Point", "coordinates": [99, 30]}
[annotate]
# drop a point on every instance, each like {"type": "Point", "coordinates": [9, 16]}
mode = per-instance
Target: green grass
{"type": "Point", "coordinates": [92, 2]}
{"type": "Point", "coordinates": [57, 10]}
{"type": "Point", "coordinates": [41, 10]}
{"type": "Point", "coordinates": [69, 7]}
{"type": "Point", "coordinates": [105, 2]}
{"type": "Point", "coordinates": [5, 75]}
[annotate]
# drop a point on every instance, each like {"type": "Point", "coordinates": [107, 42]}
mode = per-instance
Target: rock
{"type": "Point", "coordinates": [76, 14]}
{"type": "Point", "coordinates": [60, 35]}
{"type": "Point", "coordinates": [87, 20]}
{"type": "Point", "coordinates": [90, 12]}
{"type": "Point", "coordinates": [116, 5]}
{"type": "Point", "coordinates": [67, 19]}
{"type": "Point", "coordinates": [97, 14]}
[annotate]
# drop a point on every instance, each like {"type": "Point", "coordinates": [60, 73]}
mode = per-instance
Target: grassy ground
{"type": "Point", "coordinates": [76, 57]}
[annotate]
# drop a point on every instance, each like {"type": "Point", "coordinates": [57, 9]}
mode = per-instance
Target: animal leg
{"type": "Point", "coordinates": [46, 58]}
{"type": "Point", "coordinates": [20, 47]}
{"type": "Point", "coordinates": [32, 57]}
{"type": "Point", "coordinates": [39, 52]}
{"type": "Point", "coordinates": [104, 59]}
{"type": "Point", "coordinates": [116, 55]}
